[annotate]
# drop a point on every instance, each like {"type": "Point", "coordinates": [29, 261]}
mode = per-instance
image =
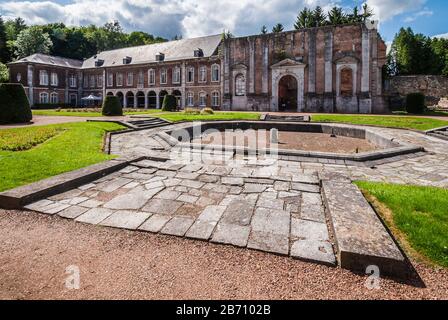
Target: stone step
{"type": "Point", "coordinates": [361, 238]}
{"type": "Point", "coordinates": [438, 135]}
{"type": "Point", "coordinates": [270, 117]}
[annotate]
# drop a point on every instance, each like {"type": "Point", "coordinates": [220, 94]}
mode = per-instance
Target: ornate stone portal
{"type": "Point", "coordinates": [288, 67]}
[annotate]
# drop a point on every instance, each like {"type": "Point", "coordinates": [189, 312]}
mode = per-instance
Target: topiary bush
{"type": "Point", "coordinates": [415, 103]}
{"type": "Point", "coordinates": [169, 103]}
{"type": "Point", "coordinates": [192, 111]}
{"type": "Point", "coordinates": [14, 104]}
{"type": "Point", "coordinates": [112, 106]}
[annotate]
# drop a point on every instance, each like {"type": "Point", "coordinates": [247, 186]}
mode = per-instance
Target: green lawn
{"type": "Point", "coordinates": [416, 123]}
{"type": "Point", "coordinates": [419, 214]}
{"type": "Point", "coordinates": [89, 112]}
{"type": "Point", "coordinates": [73, 146]}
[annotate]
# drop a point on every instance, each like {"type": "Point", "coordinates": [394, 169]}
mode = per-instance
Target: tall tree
{"type": "Point", "coordinates": [278, 28]}
{"type": "Point", "coordinates": [4, 50]}
{"type": "Point", "coordinates": [319, 17]}
{"type": "Point", "coordinates": [264, 29]}
{"type": "Point", "coordinates": [336, 16]}
{"type": "Point", "coordinates": [4, 73]}
{"type": "Point", "coordinates": [304, 19]}
{"type": "Point", "coordinates": [32, 40]}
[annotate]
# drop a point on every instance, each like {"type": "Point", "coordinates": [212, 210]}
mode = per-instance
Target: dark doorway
{"type": "Point", "coordinates": [120, 97]}
{"type": "Point", "coordinates": [178, 96]}
{"type": "Point", "coordinates": [140, 99]}
{"type": "Point", "coordinates": [152, 100]}
{"type": "Point", "coordinates": [162, 95]}
{"type": "Point", "coordinates": [287, 94]}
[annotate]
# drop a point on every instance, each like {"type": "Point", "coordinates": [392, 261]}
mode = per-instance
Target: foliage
{"type": "Point", "coordinates": [14, 104]}
{"type": "Point", "coordinates": [4, 50]}
{"type": "Point", "coordinates": [413, 54]}
{"type": "Point", "coordinates": [112, 106]}
{"type": "Point", "coordinates": [264, 29]}
{"type": "Point", "coordinates": [415, 103]}
{"type": "Point", "coordinates": [207, 111]}
{"type": "Point", "coordinates": [169, 103]}
{"type": "Point", "coordinates": [76, 146]}
{"type": "Point", "coordinates": [308, 18]}
{"type": "Point", "coordinates": [28, 138]}
{"type": "Point", "coordinates": [191, 111]}
{"type": "Point", "coordinates": [278, 28]}
{"type": "Point", "coordinates": [4, 73]}
{"type": "Point", "coordinates": [417, 123]}
{"type": "Point", "coordinates": [32, 40]}
{"type": "Point", "coordinates": [418, 213]}
{"type": "Point", "coordinates": [89, 112]}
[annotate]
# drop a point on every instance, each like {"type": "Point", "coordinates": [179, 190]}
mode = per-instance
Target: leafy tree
{"type": "Point", "coordinates": [14, 27]}
{"type": "Point", "coordinates": [304, 19]}
{"type": "Point", "coordinates": [278, 28]}
{"type": "Point", "coordinates": [4, 50]}
{"type": "Point", "coordinates": [264, 29]}
{"type": "Point", "coordinates": [4, 73]}
{"type": "Point", "coordinates": [32, 40]}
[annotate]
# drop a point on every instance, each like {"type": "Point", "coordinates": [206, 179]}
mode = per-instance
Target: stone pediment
{"type": "Point", "coordinates": [349, 59]}
{"type": "Point", "coordinates": [287, 63]}
{"type": "Point", "coordinates": [239, 66]}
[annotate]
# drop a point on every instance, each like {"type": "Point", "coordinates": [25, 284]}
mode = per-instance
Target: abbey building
{"type": "Point", "coordinates": [325, 69]}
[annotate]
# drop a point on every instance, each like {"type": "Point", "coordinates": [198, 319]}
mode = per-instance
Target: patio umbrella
{"type": "Point", "coordinates": [92, 98]}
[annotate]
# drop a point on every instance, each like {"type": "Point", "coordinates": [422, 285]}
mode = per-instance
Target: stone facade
{"type": "Point", "coordinates": [435, 88]}
{"type": "Point", "coordinates": [326, 69]}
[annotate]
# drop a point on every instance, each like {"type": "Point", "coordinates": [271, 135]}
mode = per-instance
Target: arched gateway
{"type": "Point", "coordinates": [287, 94]}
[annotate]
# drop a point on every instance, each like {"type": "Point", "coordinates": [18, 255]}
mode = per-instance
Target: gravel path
{"type": "Point", "coordinates": [117, 264]}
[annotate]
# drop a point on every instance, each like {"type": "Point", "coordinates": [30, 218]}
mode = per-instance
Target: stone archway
{"type": "Point", "coordinates": [287, 93]}
{"type": "Point", "coordinates": [140, 99]}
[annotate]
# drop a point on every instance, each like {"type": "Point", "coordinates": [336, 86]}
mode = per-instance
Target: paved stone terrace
{"type": "Point", "coordinates": [251, 207]}
{"type": "Point", "coordinates": [430, 168]}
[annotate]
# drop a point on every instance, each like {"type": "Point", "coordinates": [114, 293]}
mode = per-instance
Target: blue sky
{"type": "Point", "coordinates": [202, 17]}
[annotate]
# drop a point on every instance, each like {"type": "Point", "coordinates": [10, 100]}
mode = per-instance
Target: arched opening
{"type": "Point", "coordinates": [152, 99]}
{"type": "Point", "coordinates": [287, 93]}
{"type": "Point", "coordinates": [130, 99]}
{"type": "Point", "coordinates": [346, 89]}
{"type": "Point", "coordinates": [140, 99]}
{"type": "Point", "coordinates": [120, 97]}
{"type": "Point", "coordinates": [162, 95]}
{"type": "Point", "coordinates": [109, 94]}
{"type": "Point", "coordinates": [178, 96]}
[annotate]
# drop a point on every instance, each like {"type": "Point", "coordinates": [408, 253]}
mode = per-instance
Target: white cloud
{"type": "Point", "coordinates": [387, 9]}
{"type": "Point", "coordinates": [444, 35]}
{"type": "Point", "coordinates": [423, 13]}
{"type": "Point", "coordinates": [187, 17]}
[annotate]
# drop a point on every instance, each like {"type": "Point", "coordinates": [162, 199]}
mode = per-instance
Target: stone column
{"type": "Point", "coordinates": [146, 100]}
{"type": "Point", "coordinates": [125, 100]}
{"type": "Point", "coordinates": [30, 74]}
{"type": "Point", "coordinates": [365, 101]}
{"type": "Point", "coordinates": [265, 74]}
{"type": "Point", "coordinates": [66, 87]}
{"type": "Point", "coordinates": [251, 65]}
{"type": "Point", "coordinates": [328, 56]}
{"type": "Point", "coordinates": [158, 100]}
{"type": "Point", "coordinates": [311, 95]}
{"type": "Point", "coordinates": [135, 100]}
{"type": "Point", "coordinates": [183, 82]}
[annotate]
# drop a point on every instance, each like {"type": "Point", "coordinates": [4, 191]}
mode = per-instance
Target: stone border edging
{"type": "Point", "coordinates": [18, 197]}
{"type": "Point", "coordinates": [361, 238]}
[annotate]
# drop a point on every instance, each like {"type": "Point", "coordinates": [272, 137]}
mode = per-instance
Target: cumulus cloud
{"type": "Point", "coordinates": [423, 13]}
{"type": "Point", "coordinates": [187, 17]}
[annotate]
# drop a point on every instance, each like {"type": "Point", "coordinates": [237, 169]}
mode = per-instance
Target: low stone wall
{"type": "Point", "coordinates": [433, 87]}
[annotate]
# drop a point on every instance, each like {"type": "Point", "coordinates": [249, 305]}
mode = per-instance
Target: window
{"type": "Point", "coordinates": [73, 99]}
{"type": "Point", "coordinates": [202, 99]}
{"type": "Point", "coordinates": [19, 77]}
{"type": "Point", "coordinates": [203, 74]}
{"type": "Point", "coordinates": [54, 97]}
{"type": "Point", "coordinates": [141, 78]}
{"type": "Point", "coordinates": [152, 76]}
{"type": "Point", "coordinates": [240, 85]}
{"type": "Point", "coordinates": [119, 79]}
{"type": "Point", "coordinates": [346, 82]}
{"type": "Point", "coordinates": [176, 75]}
{"type": "Point", "coordinates": [99, 81]}
{"type": "Point", "coordinates": [190, 99]}
{"type": "Point", "coordinates": [72, 81]}
{"type": "Point", "coordinates": [130, 79]}
{"type": "Point", "coordinates": [43, 97]}
{"type": "Point", "coordinates": [43, 78]}
{"type": "Point", "coordinates": [215, 99]}
{"type": "Point", "coordinates": [110, 79]}
{"type": "Point", "coordinates": [86, 82]}
{"type": "Point", "coordinates": [54, 79]}
{"type": "Point", "coordinates": [190, 74]}
{"type": "Point", "coordinates": [163, 76]}
{"type": "Point", "coordinates": [92, 81]}
{"type": "Point", "coordinates": [215, 73]}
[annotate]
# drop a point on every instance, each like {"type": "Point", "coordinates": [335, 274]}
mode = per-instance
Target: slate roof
{"type": "Point", "coordinates": [173, 50]}
{"type": "Point", "coordinates": [50, 60]}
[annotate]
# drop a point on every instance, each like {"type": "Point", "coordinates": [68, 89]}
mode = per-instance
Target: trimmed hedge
{"type": "Point", "coordinates": [47, 106]}
{"type": "Point", "coordinates": [14, 104]}
{"type": "Point", "coordinates": [169, 103]}
{"type": "Point", "coordinates": [112, 106]}
{"type": "Point", "coordinates": [415, 103]}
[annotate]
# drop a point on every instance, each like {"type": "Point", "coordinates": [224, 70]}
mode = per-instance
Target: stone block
{"type": "Point", "coordinates": [177, 226]}
{"type": "Point", "coordinates": [95, 215]}
{"type": "Point", "coordinates": [126, 219]}
{"type": "Point", "coordinates": [228, 233]}
{"type": "Point", "coordinates": [155, 223]}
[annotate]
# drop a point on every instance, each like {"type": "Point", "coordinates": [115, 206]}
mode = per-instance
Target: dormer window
{"type": "Point", "coordinates": [198, 53]}
{"type": "Point", "coordinates": [160, 57]}
{"type": "Point", "coordinates": [99, 62]}
{"type": "Point", "coordinates": [127, 60]}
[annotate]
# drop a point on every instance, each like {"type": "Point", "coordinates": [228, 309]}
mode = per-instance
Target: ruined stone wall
{"type": "Point", "coordinates": [433, 87]}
